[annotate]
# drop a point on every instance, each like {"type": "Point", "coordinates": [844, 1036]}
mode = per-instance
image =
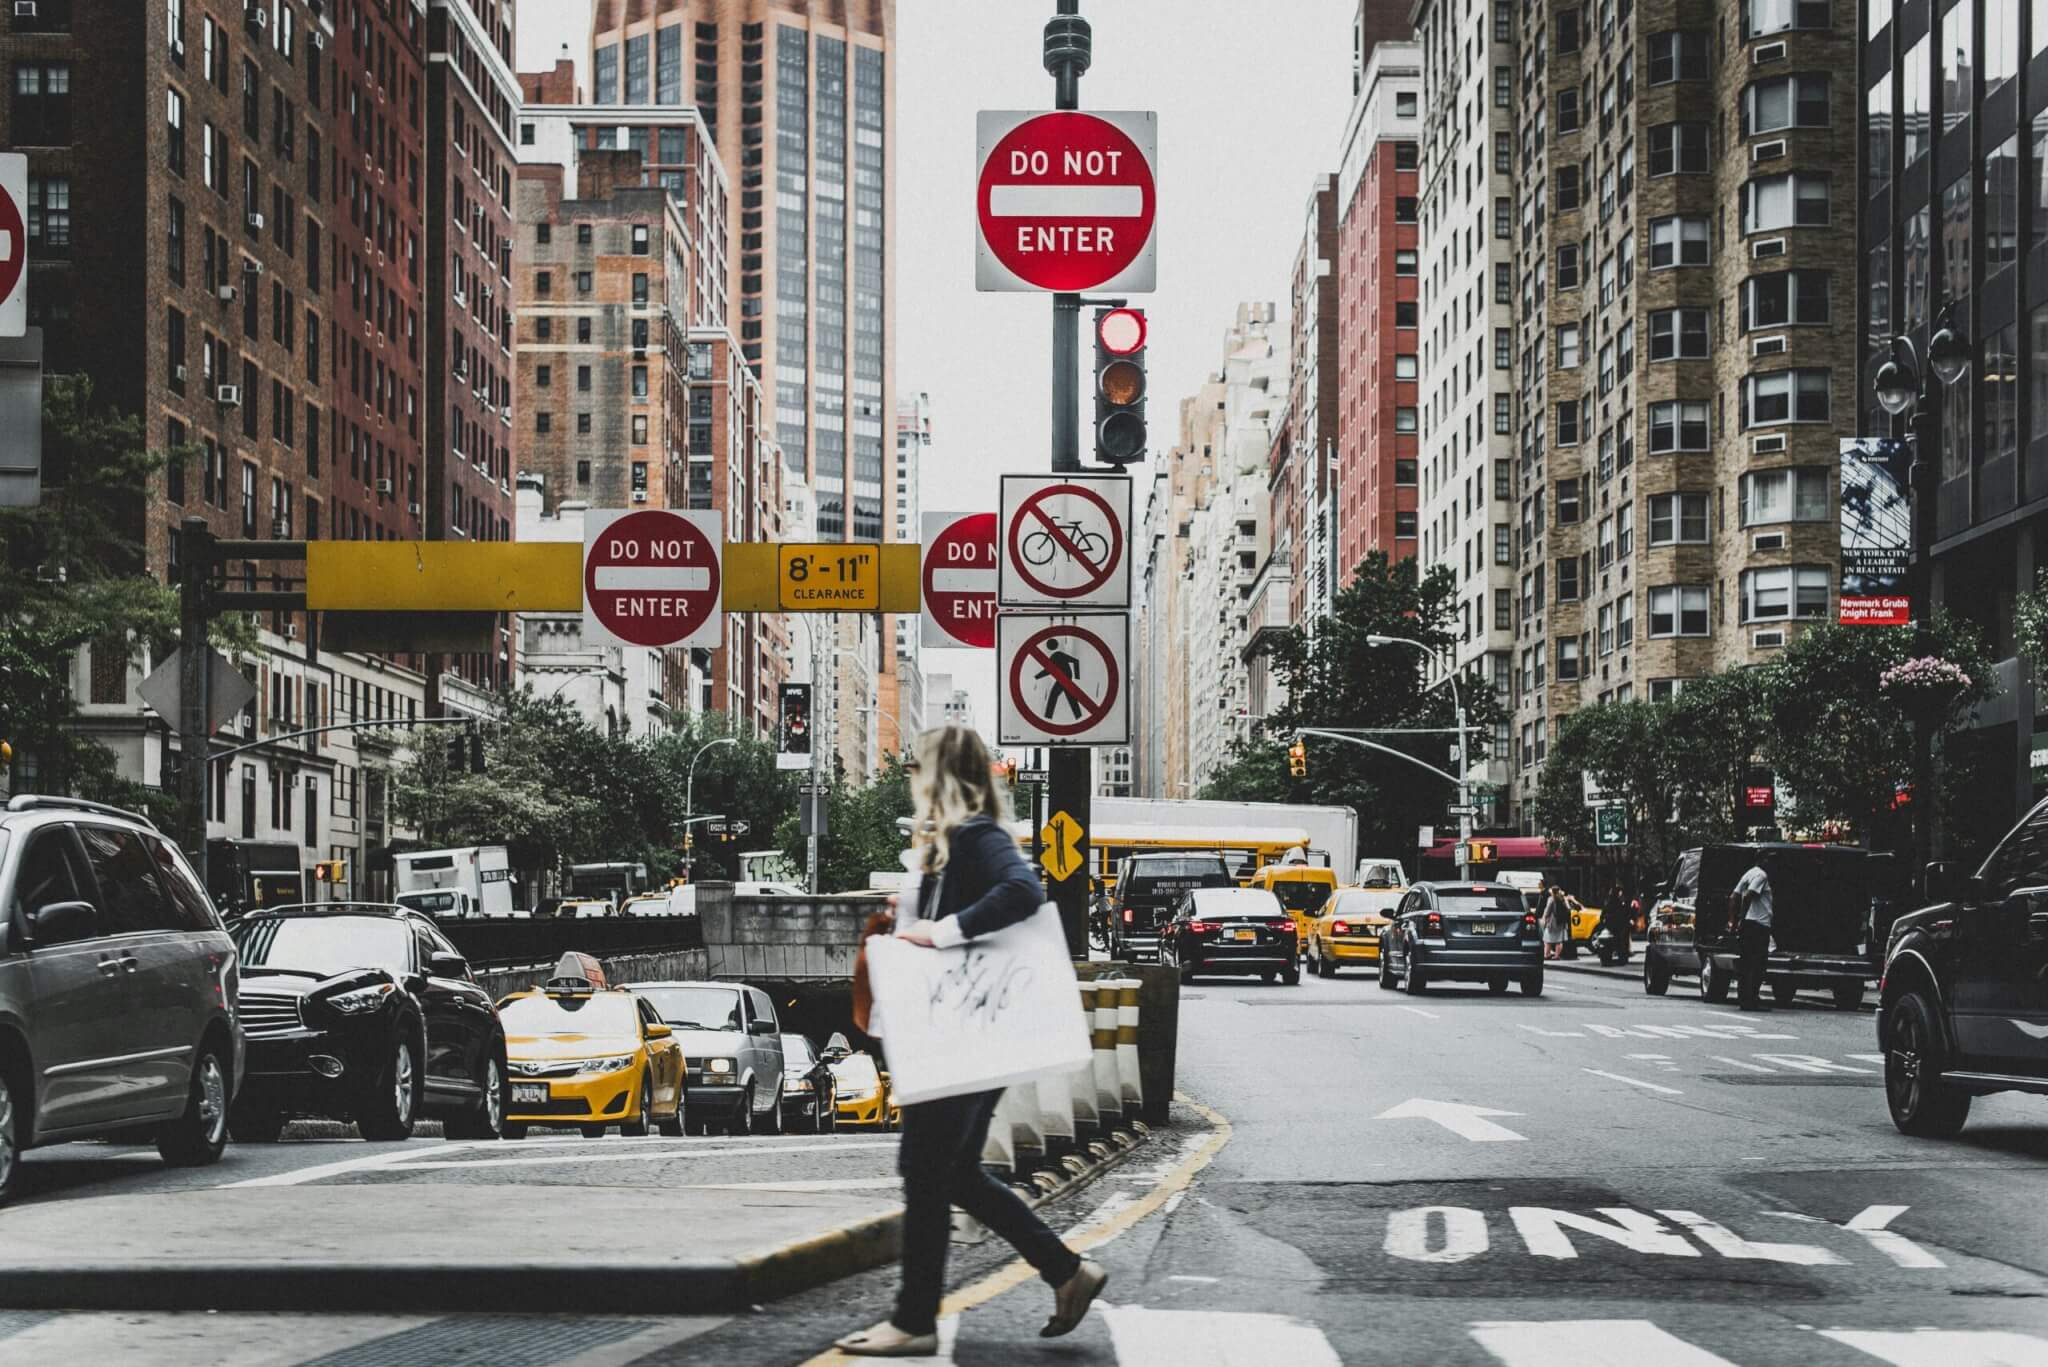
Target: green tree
{"type": "Point", "coordinates": [738, 782]}
{"type": "Point", "coordinates": [1334, 679]}
{"type": "Point", "coordinates": [862, 835]}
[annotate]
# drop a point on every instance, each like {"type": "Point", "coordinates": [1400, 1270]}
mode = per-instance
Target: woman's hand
{"type": "Point", "coordinates": [917, 933]}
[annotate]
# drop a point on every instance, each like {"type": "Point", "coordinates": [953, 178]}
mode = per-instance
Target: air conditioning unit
{"type": "Point", "coordinates": [178, 48]}
{"type": "Point", "coordinates": [251, 266]}
{"type": "Point", "coordinates": [639, 495]}
{"type": "Point", "coordinates": [1767, 151]}
{"type": "Point", "coordinates": [226, 293]}
{"type": "Point", "coordinates": [24, 9]}
{"type": "Point", "coordinates": [228, 395]}
{"type": "Point", "coordinates": [317, 39]}
{"type": "Point", "coordinates": [291, 631]}
{"type": "Point", "coordinates": [1764, 446]}
{"type": "Point", "coordinates": [255, 222]}
{"type": "Point", "coordinates": [178, 373]}
{"type": "Point", "coordinates": [1766, 246]}
{"type": "Point", "coordinates": [1768, 346]}
{"type": "Point", "coordinates": [383, 486]}
{"type": "Point", "coordinates": [1766, 52]}
{"type": "Point", "coordinates": [412, 509]}
{"type": "Point", "coordinates": [1768, 541]}
{"type": "Point", "coordinates": [1768, 640]}
{"type": "Point", "coordinates": [256, 17]}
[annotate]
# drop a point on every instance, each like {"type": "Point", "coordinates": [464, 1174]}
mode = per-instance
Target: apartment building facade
{"type": "Point", "coordinates": [1304, 510]}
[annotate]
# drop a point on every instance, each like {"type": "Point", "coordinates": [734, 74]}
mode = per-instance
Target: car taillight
{"type": "Point", "coordinates": [1127, 915]}
{"type": "Point", "coordinates": [1283, 925]}
{"type": "Point", "coordinates": [1433, 924]}
{"type": "Point", "coordinates": [1339, 928]}
{"type": "Point", "coordinates": [1529, 921]}
{"type": "Point", "coordinates": [1200, 927]}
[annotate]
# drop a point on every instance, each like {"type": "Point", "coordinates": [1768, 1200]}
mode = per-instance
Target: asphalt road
{"type": "Point", "coordinates": [1592, 1177]}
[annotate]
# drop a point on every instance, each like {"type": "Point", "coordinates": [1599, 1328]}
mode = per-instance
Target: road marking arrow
{"type": "Point", "coordinates": [1468, 1122]}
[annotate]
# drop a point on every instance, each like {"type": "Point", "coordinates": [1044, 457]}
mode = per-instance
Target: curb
{"type": "Point", "coordinates": [1632, 970]}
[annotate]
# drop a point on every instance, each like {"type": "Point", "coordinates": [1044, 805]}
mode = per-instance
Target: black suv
{"type": "Point", "coordinates": [363, 1011]}
{"type": "Point", "coordinates": [1148, 887]}
{"type": "Point", "coordinates": [1820, 924]}
{"type": "Point", "coordinates": [1963, 1005]}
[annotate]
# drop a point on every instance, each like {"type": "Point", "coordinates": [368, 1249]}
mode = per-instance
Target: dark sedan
{"type": "Point", "coordinates": [1232, 930]}
{"type": "Point", "coordinates": [1462, 932]}
{"type": "Point", "coordinates": [362, 1011]}
{"type": "Point", "coordinates": [810, 1101]}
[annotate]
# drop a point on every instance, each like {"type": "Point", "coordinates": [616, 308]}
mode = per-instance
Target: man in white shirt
{"type": "Point", "coordinates": [1749, 912]}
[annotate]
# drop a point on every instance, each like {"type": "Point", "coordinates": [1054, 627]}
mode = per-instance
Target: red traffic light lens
{"type": "Point", "coordinates": [1122, 383]}
{"type": "Point", "coordinates": [1121, 331]}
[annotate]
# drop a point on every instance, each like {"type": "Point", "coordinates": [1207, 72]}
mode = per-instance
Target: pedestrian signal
{"type": "Point", "coordinates": [1297, 760]}
{"type": "Point", "coordinates": [1120, 336]}
{"type": "Point", "coordinates": [329, 871]}
{"type": "Point", "coordinates": [796, 719]}
{"type": "Point", "coordinates": [1482, 852]}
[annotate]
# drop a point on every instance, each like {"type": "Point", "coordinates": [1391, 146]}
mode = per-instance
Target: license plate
{"type": "Point", "coordinates": [1483, 928]}
{"type": "Point", "coordinates": [1245, 936]}
{"type": "Point", "coordinates": [529, 1092]}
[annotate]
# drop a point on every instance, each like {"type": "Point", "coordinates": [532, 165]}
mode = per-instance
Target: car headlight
{"type": "Point", "coordinates": [356, 1001]}
{"type": "Point", "coordinates": [616, 1063]}
{"type": "Point", "coordinates": [718, 1065]}
{"type": "Point", "coordinates": [856, 1093]}
{"type": "Point", "coordinates": [797, 1084]}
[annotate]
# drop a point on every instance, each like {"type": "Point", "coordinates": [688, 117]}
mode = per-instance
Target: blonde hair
{"type": "Point", "coordinates": [954, 780]}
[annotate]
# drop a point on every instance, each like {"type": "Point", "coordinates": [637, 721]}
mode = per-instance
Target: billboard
{"type": "Point", "coordinates": [1877, 532]}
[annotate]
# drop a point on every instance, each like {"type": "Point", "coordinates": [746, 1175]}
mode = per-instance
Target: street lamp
{"type": "Point", "coordinates": [1902, 390]}
{"type": "Point", "coordinates": [690, 802]}
{"type": "Point", "coordinates": [1464, 776]}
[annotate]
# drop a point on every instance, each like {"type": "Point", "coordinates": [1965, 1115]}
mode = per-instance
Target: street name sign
{"type": "Point", "coordinates": [830, 576]}
{"type": "Point", "coordinates": [1066, 541]}
{"type": "Point", "coordinates": [1610, 825]}
{"type": "Point", "coordinates": [13, 244]}
{"type": "Point", "coordinates": [1063, 680]}
{"type": "Point", "coordinates": [959, 580]}
{"type": "Point", "coordinates": [651, 578]}
{"type": "Point", "coordinates": [1066, 201]}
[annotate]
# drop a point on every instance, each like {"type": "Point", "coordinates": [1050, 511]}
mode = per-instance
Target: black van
{"type": "Point", "coordinates": [1148, 886]}
{"type": "Point", "coordinates": [1820, 898]}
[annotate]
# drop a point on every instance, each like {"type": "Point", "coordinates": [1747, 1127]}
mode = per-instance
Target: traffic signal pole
{"type": "Point", "coordinates": [1069, 771]}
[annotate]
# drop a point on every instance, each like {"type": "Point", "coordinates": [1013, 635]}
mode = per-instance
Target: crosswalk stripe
{"type": "Point", "coordinates": [1215, 1338]}
{"type": "Point", "coordinates": [1589, 1343]}
{"type": "Point", "coordinates": [1945, 1347]}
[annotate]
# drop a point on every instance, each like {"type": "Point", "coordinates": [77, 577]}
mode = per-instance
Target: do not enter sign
{"type": "Point", "coordinates": [13, 244]}
{"type": "Point", "coordinates": [651, 578]}
{"type": "Point", "coordinates": [1066, 201]}
{"type": "Point", "coordinates": [959, 596]}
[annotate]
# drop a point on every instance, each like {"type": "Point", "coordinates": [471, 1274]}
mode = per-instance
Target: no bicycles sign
{"type": "Point", "coordinates": [1065, 541]}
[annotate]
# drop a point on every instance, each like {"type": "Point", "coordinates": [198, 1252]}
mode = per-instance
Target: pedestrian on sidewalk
{"type": "Point", "coordinates": [975, 882]}
{"type": "Point", "coordinates": [1557, 924]}
{"type": "Point", "coordinates": [1749, 915]}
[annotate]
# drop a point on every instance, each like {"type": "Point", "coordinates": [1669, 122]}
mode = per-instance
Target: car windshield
{"type": "Point", "coordinates": [429, 902]}
{"type": "Point", "coordinates": [1298, 894]}
{"type": "Point", "coordinates": [856, 1068]}
{"type": "Point", "coordinates": [696, 1008]}
{"type": "Point", "coordinates": [1235, 902]}
{"type": "Point", "coordinates": [325, 945]}
{"type": "Point", "coordinates": [608, 1013]}
{"type": "Point", "coordinates": [1351, 904]}
{"type": "Point", "coordinates": [1504, 900]}
{"type": "Point", "coordinates": [1149, 869]}
{"type": "Point", "coordinates": [1381, 876]}
{"type": "Point", "coordinates": [796, 1052]}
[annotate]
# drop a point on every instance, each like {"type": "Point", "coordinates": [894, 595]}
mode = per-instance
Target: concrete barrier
{"type": "Point", "coordinates": [1130, 1080]}
{"type": "Point", "coordinates": [1109, 1093]}
{"type": "Point", "coordinates": [1081, 1082]}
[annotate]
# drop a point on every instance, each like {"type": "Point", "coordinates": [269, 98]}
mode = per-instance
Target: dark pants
{"type": "Point", "coordinates": [1756, 949]}
{"type": "Point", "coordinates": [940, 1159]}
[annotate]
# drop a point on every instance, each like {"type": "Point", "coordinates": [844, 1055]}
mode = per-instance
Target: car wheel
{"type": "Point", "coordinates": [486, 1119]}
{"type": "Point", "coordinates": [1268, 976]}
{"type": "Point", "coordinates": [1532, 984]}
{"type": "Point", "coordinates": [387, 1109]}
{"type": "Point", "coordinates": [1920, 1102]}
{"type": "Point", "coordinates": [254, 1124]}
{"type": "Point", "coordinates": [1497, 986]}
{"type": "Point", "coordinates": [1848, 996]}
{"type": "Point", "coordinates": [828, 1114]}
{"type": "Point", "coordinates": [10, 1138]}
{"type": "Point", "coordinates": [197, 1137]}
{"type": "Point", "coordinates": [1414, 981]}
{"type": "Point", "coordinates": [1185, 970]}
{"type": "Point", "coordinates": [1606, 957]}
{"type": "Point", "coordinates": [1291, 977]}
{"type": "Point", "coordinates": [643, 1115]}
{"type": "Point", "coordinates": [1713, 982]}
{"type": "Point", "coordinates": [1656, 977]}
{"type": "Point", "coordinates": [675, 1126]}
{"type": "Point", "coordinates": [742, 1121]}
{"type": "Point", "coordinates": [1783, 992]}
{"type": "Point", "coordinates": [769, 1121]}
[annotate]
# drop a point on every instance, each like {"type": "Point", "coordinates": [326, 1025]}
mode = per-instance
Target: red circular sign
{"type": "Point", "coordinates": [960, 580]}
{"type": "Point", "coordinates": [1087, 699]}
{"type": "Point", "coordinates": [651, 578]}
{"type": "Point", "coordinates": [1039, 538]}
{"type": "Point", "coordinates": [13, 245]}
{"type": "Point", "coordinates": [1066, 201]}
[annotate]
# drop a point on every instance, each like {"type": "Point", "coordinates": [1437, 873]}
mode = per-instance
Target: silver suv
{"type": "Point", "coordinates": [116, 981]}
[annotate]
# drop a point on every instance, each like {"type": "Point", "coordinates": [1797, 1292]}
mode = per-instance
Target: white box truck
{"type": "Point", "coordinates": [454, 885]}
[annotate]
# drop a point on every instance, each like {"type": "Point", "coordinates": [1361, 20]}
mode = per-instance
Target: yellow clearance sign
{"type": "Point", "coordinates": [829, 577]}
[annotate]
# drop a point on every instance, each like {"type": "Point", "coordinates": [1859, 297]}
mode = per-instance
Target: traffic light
{"type": "Point", "coordinates": [1119, 386]}
{"type": "Point", "coordinates": [1297, 760]}
{"type": "Point", "coordinates": [457, 753]}
{"type": "Point", "coordinates": [796, 719]}
{"type": "Point", "coordinates": [1481, 852]}
{"type": "Point", "coordinates": [330, 871]}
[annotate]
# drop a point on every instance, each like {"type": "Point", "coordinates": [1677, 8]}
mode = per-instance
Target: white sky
{"type": "Point", "coordinates": [1252, 97]}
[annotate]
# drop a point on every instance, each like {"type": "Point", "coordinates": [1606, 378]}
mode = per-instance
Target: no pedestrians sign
{"type": "Point", "coordinates": [652, 577]}
{"type": "Point", "coordinates": [1063, 680]}
{"type": "Point", "coordinates": [1067, 201]}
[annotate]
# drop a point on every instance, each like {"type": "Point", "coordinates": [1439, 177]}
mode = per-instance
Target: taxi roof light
{"type": "Point", "coordinates": [576, 971]}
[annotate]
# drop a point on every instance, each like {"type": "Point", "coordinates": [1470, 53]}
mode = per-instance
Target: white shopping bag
{"type": "Point", "coordinates": [988, 1013]}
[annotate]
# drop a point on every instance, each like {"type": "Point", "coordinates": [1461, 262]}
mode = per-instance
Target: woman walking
{"type": "Point", "coordinates": [1557, 924]}
{"type": "Point", "coordinates": [975, 883]}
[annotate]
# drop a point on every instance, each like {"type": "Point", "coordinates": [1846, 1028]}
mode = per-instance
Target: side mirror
{"type": "Point", "coordinates": [443, 965]}
{"type": "Point", "coordinates": [761, 1027]}
{"type": "Point", "coordinates": [659, 1030]}
{"type": "Point", "coordinates": [61, 923]}
{"type": "Point", "coordinates": [1942, 881]}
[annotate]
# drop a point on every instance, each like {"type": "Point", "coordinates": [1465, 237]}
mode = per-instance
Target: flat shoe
{"type": "Point", "coordinates": [1071, 1301]}
{"type": "Point", "coordinates": [887, 1341]}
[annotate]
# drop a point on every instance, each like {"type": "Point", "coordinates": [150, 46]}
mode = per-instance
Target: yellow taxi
{"type": "Point", "coordinates": [860, 1089]}
{"type": "Point", "coordinates": [584, 1053]}
{"type": "Point", "coordinates": [1346, 931]}
{"type": "Point", "coordinates": [1302, 888]}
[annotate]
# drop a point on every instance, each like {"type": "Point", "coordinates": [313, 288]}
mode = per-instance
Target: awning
{"type": "Point", "coordinates": [1506, 847]}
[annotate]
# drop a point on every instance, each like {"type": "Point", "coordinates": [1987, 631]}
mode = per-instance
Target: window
{"type": "Point", "coordinates": [1568, 659]}
{"type": "Point", "coordinates": [1678, 149]}
{"type": "Point", "coordinates": [1567, 423]}
{"type": "Point", "coordinates": [1796, 200]}
{"type": "Point", "coordinates": [2001, 44]}
{"type": "Point", "coordinates": [1503, 349]}
{"type": "Point", "coordinates": [640, 289]}
{"type": "Point", "coordinates": [1567, 345]}
{"type": "Point", "coordinates": [1625, 621]}
{"type": "Point", "coordinates": [1405, 103]}
{"type": "Point", "coordinates": [1405, 314]}
{"type": "Point", "coordinates": [1567, 581]}
{"type": "Point", "coordinates": [1404, 208]}
{"type": "Point", "coordinates": [543, 422]}
{"type": "Point", "coordinates": [1404, 419]}
{"type": "Point", "coordinates": [583, 379]}
{"type": "Point", "coordinates": [1678, 425]}
{"type": "Point", "coordinates": [1407, 156]}
{"type": "Point", "coordinates": [1503, 548]}
{"type": "Point", "coordinates": [174, 343]}
{"type": "Point", "coordinates": [583, 282]}
{"type": "Point", "coordinates": [1680, 56]}
{"type": "Point", "coordinates": [1568, 112]}
{"type": "Point", "coordinates": [1503, 418]}
{"type": "Point", "coordinates": [639, 429]}
{"type": "Point", "coordinates": [1784, 297]}
{"type": "Point", "coordinates": [49, 215]}
{"type": "Point", "coordinates": [1678, 334]}
{"type": "Point", "coordinates": [1792, 495]}
{"type": "Point", "coordinates": [1678, 519]}
{"type": "Point", "coordinates": [1678, 611]}
{"type": "Point", "coordinates": [543, 376]}
{"type": "Point", "coordinates": [1958, 64]}
{"type": "Point", "coordinates": [1404, 366]}
{"type": "Point", "coordinates": [583, 424]}
{"type": "Point", "coordinates": [42, 104]}
{"type": "Point", "coordinates": [1404, 525]}
{"type": "Point", "coordinates": [1625, 531]}
{"type": "Point", "coordinates": [1913, 108]}
{"type": "Point", "coordinates": [1797, 101]}
{"type": "Point", "coordinates": [1784, 591]}
{"type": "Point", "coordinates": [1785, 396]}
{"type": "Point", "coordinates": [1779, 16]}
{"type": "Point", "coordinates": [1564, 28]}
{"type": "Point", "coordinates": [1568, 189]}
{"type": "Point", "coordinates": [1405, 471]}
{"type": "Point", "coordinates": [639, 239]}
{"type": "Point", "coordinates": [1404, 262]}
{"type": "Point", "coordinates": [174, 127]}
{"type": "Point", "coordinates": [1606, 628]}
{"type": "Point", "coordinates": [583, 331]}
{"type": "Point", "coordinates": [1568, 266]}
{"type": "Point", "coordinates": [543, 282]}
{"type": "Point", "coordinates": [1679, 241]}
